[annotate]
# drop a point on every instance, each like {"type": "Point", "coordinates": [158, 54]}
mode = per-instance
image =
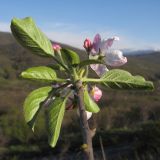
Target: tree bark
{"type": "Point", "coordinates": [87, 139]}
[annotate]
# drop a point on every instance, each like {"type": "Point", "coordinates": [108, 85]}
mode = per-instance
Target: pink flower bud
{"type": "Point", "coordinates": [56, 47]}
{"type": "Point", "coordinates": [96, 93]}
{"type": "Point", "coordinates": [87, 45]}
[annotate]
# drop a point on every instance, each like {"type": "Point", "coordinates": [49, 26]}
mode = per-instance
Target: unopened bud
{"type": "Point", "coordinates": [56, 47]}
{"type": "Point", "coordinates": [87, 45]}
{"type": "Point", "coordinates": [96, 93]}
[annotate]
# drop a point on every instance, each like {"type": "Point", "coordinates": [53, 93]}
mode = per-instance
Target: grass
{"type": "Point", "coordinates": [18, 140]}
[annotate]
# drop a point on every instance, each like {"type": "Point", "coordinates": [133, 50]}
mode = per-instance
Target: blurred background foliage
{"type": "Point", "coordinates": [128, 123]}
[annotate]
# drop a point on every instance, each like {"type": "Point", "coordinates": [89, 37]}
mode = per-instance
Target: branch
{"type": "Point", "coordinates": [87, 139]}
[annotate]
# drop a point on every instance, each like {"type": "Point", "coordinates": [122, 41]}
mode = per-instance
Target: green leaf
{"type": "Point", "coordinates": [54, 119]}
{"type": "Point", "coordinates": [70, 57]}
{"type": "Point", "coordinates": [30, 36]}
{"type": "Point", "coordinates": [89, 103]}
{"type": "Point", "coordinates": [32, 103]}
{"type": "Point", "coordinates": [89, 62]}
{"type": "Point", "coordinates": [40, 73]}
{"type": "Point", "coordinates": [120, 79]}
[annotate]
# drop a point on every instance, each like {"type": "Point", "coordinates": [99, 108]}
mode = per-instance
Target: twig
{"type": "Point", "coordinates": [87, 139]}
{"type": "Point", "coordinates": [102, 148]}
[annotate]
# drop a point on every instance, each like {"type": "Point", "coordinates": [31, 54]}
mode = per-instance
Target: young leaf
{"type": "Point", "coordinates": [54, 119]}
{"type": "Point", "coordinates": [120, 79]}
{"type": "Point", "coordinates": [32, 104]}
{"type": "Point", "coordinates": [40, 73]}
{"type": "Point", "coordinates": [70, 57]}
{"type": "Point", "coordinates": [90, 105]}
{"type": "Point", "coordinates": [30, 36]}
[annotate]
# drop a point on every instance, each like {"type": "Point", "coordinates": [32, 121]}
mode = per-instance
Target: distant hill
{"type": "Point", "coordinates": [134, 52]}
{"type": "Point", "coordinates": [14, 59]}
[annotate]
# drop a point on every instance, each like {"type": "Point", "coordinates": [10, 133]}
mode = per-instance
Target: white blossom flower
{"type": "Point", "coordinates": [113, 57]}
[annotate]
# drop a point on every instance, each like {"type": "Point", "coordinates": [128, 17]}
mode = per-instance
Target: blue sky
{"type": "Point", "coordinates": [136, 22]}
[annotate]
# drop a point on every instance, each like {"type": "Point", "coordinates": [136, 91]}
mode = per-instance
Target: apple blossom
{"type": "Point", "coordinates": [112, 57]}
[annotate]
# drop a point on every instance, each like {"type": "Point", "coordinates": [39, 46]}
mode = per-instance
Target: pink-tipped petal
{"type": "Point", "coordinates": [96, 43]}
{"type": "Point", "coordinates": [115, 58]}
{"type": "Point", "coordinates": [97, 38]}
{"type": "Point", "coordinates": [109, 42]}
{"type": "Point", "coordinates": [100, 69]}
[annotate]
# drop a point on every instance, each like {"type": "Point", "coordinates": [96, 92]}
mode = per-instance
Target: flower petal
{"type": "Point", "coordinates": [108, 43]}
{"type": "Point", "coordinates": [115, 58]}
{"type": "Point", "coordinates": [100, 69]}
{"type": "Point", "coordinates": [89, 115]}
{"type": "Point", "coordinates": [96, 43]}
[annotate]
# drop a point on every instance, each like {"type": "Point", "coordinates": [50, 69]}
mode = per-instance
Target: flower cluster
{"type": "Point", "coordinates": [102, 48]}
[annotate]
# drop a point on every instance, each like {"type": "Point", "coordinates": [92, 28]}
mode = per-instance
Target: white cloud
{"type": "Point", "coordinates": [73, 39]}
{"type": "Point", "coordinates": [4, 27]}
{"type": "Point", "coordinates": [59, 26]}
{"type": "Point", "coordinates": [77, 39]}
{"type": "Point", "coordinates": [68, 34]}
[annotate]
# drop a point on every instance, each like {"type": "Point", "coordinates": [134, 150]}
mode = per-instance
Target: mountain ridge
{"type": "Point", "coordinates": [9, 39]}
{"type": "Point", "coordinates": [14, 58]}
